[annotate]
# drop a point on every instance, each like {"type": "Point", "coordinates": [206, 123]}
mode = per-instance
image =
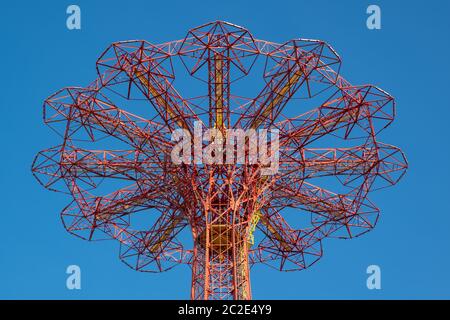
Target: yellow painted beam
{"type": "Point", "coordinates": [161, 101]}
{"type": "Point", "coordinates": [278, 97]}
{"type": "Point", "coordinates": [163, 237]}
{"type": "Point", "coordinates": [218, 69]}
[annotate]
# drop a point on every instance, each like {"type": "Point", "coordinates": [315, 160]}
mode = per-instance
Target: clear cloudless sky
{"type": "Point", "coordinates": [408, 57]}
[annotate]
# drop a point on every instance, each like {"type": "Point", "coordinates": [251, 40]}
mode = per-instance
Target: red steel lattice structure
{"type": "Point", "coordinates": [235, 214]}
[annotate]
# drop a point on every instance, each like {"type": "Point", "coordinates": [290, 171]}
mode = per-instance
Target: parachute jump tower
{"type": "Point", "coordinates": [115, 157]}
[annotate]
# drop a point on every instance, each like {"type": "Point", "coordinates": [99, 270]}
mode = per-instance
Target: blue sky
{"type": "Point", "coordinates": [408, 57]}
